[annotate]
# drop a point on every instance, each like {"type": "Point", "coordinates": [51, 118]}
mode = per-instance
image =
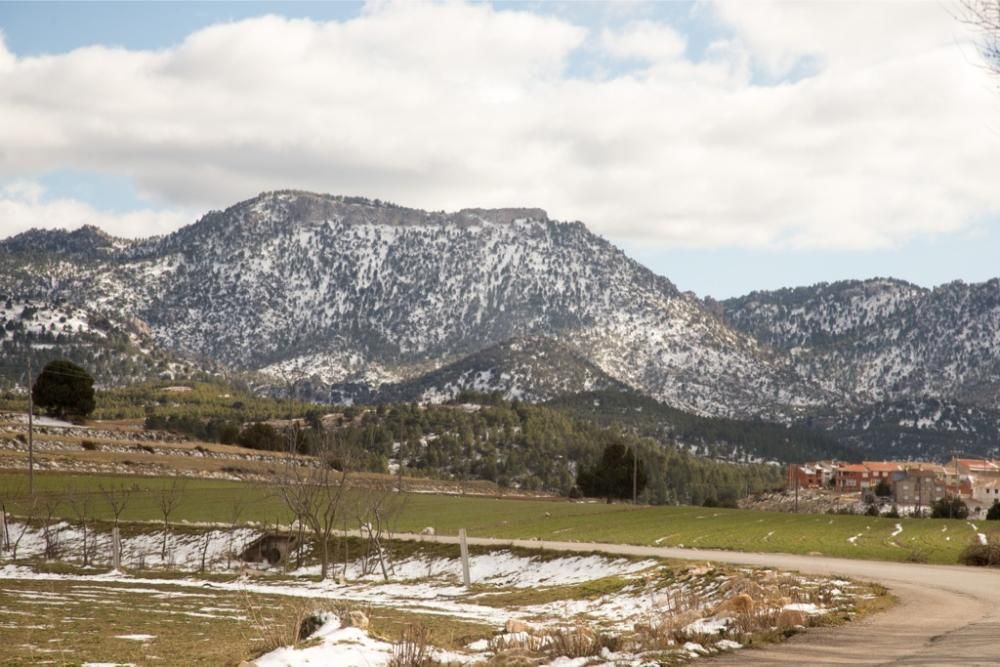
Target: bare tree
{"type": "Point", "coordinates": [984, 15]}
{"type": "Point", "coordinates": [81, 505]}
{"type": "Point", "coordinates": [235, 515]}
{"type": "Point", "coordinates": [29, 510]}
{"type": "Point", "coordinates": [169, 498]}
{"type": "Point", "coordinates": [50, 510]}
{"type": "Point", "coordinates": [375, 507]}
{"type": "Point", "coordinates": [117, 498]}
{"type": "Point", "coordinates": [11, 492]}
{"type": "Point", "coordinates": [313, 494]}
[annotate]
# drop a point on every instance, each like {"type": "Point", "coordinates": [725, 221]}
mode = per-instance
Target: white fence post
{"type": "Point", "coordinates": [465, 556]}
{"type": "Point", "coordinates": [116, 549]}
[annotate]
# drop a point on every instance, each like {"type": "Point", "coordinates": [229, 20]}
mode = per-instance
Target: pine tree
{"type": "Point", "coordinates": [64, 390]}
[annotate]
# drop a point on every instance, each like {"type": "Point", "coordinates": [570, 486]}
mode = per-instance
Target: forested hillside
{"type": "Point", "coordinates": [717, 437]}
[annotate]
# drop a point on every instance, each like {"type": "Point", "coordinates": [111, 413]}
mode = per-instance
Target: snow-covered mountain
{"type": "Point", "coordinates": [884, 340]}
{"type": "Point", "coordinates": [345, 291]}
{"type": "Point", "coordinates": [351, 299]}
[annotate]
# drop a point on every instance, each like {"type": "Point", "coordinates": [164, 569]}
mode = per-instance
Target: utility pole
{"type": "Point", "coordinates": [796, 488]}
{"type": "Point", "coordinates": [31, 432]}
{"type": "Point", "coordinates": [635, 478]}
{"type": "Point", "coordinates": [958, 487]}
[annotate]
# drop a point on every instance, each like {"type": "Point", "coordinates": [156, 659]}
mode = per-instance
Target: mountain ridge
{"type": "Point", "coordinates": [354, 297]}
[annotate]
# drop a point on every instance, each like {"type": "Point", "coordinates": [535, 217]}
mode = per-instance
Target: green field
{"type": "Point", "coordinates": [939, 541]}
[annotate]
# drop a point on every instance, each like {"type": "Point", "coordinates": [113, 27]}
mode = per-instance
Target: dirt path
{"type": "Point", "coordinates": [947, 615]}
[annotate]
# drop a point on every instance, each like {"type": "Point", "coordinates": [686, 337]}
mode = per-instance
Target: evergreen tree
{"type": "Point", "coordinates": [949, 507]}
{"type": "Point", "coordinates": [64, 390]}
{"type": "Point", "coordinates": [612, 476]}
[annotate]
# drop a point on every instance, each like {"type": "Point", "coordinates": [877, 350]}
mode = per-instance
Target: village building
{"type": "Point", "coordinates": [853, 477]}
{"type": "Point", "coordinates": [983, 496]}
{"type": "Point", "coordinates": [881, 471]}
{"type": "Point", "coordinates": [920, 486]}
{"type": "Point", "coordinates": [802, 476]}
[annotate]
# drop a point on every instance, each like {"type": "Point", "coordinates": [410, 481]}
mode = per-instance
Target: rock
{"type": "Point", "coordinates": [790, 618]}
{"type": "Point", "coordinates": [427, 531]}
{"type": "Point", "coordinates": [513, 625]}
{"type": "Point", "coordinates": [358, 619]}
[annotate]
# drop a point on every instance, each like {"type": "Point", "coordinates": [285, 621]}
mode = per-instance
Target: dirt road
{"type": "Point", "coordinates": [947, 615]}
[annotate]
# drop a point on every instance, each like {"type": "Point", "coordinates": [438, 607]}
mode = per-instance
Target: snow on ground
{"type": "Point", "coordinates": [506, 569]}
{"type": "Point", "coordinates": [899, 529]}
{"type": "Point", "coordinates": [431, 586]}
{"type": "Point", "coordinates": [805, 607]}
{"type": "Point", "coordinates": [854, 540]}
{"type": "Point", "coordinates": [709, 626]}
{"type": "Point", "coordinates": [22, 418]}
{"type": "Point", "coordinates": [184, 549]}
{"type": "Point", "coordinates": [980, 536]}
{"type": "Point", "coordinates": [337, 645]}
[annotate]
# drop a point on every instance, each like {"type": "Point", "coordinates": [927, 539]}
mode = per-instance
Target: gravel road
{"type": "Point", "coordinates": [947, 615]}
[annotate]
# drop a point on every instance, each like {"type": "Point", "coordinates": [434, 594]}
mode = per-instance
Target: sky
{"type": "Point", "coordinates": [728, 145]}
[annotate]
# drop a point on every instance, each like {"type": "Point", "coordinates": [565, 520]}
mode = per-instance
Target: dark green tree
{"type": "Point", "coordinates": [64, 389]}
{"type": "Point", "coordinates": [611, 476]}
{"type": "Point", "coordinates": [949, 507]}
{"type": "Point", "coordinates": [262, 436]}
{"type": "Point", "coordinates": [993, 513]}
{"type": "Point", "coordinates": [882, 489]}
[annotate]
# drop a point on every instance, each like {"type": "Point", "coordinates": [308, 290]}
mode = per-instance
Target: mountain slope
{"type": "Point", "coordinates": [352, 299]}
{"type": "Point", "coordinates": [884, 340]}
{"type": "Point", "coordinates": [721, 438]}
{"type": "Point", "coordinates": [351, 291]}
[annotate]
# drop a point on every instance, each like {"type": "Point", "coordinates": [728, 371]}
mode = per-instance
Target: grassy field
{"type": "Point", "coordinates": [937, 541]}
{"type": "Point", "coordinates": [69, 622]}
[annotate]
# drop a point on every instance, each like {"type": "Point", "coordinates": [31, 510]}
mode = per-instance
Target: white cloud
{"type": "Point", "coordinates": [23, 206]}
{"type": "Point", "coordinates": [644, 40]}
{"type": "Point", "coordinates": [893, 135]}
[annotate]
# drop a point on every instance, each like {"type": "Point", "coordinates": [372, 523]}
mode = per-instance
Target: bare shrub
{"type": "Point", "coordinates": [981, 555]}
{"type": "Point", "coordinates": [413, 648]}
{"type": "Point", "coordinates": [268, 633]}
{"type": "Point", "coordinates": [579, 642]}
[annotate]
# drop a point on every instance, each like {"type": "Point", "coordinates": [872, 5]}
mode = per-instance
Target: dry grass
{"type": "Point", "coordinates": [413, 649]}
